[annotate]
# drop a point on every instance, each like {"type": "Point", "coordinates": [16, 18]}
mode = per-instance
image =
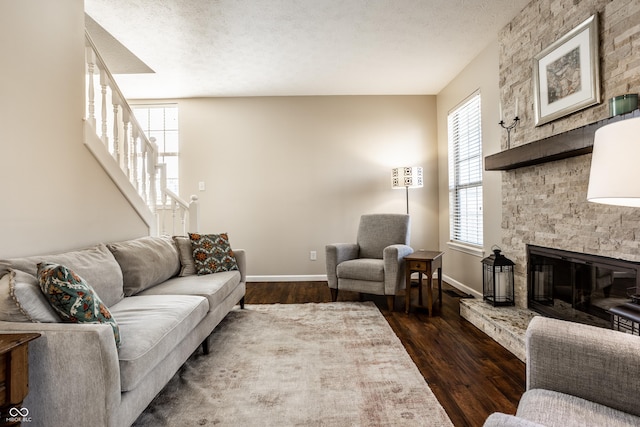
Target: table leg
{"type": "Point", "coordinates": [420, 289]}
{"type": "Point", "coordinates": [407, 291]}
{"type": "Point", "coordinates": [440, 285]}
{"type": "Point", "coordinates": [430, 293]}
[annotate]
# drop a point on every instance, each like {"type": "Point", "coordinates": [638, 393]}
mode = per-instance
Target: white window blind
{"type": "Point", "coordinates": [465, 172]}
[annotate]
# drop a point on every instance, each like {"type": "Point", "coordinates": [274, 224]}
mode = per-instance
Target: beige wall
{"type": "Point", "coordinates": [54, 194]}
{"type": "Point", "coordinates": [288, 175]}
{"type": "Point", "coordinates": [462, 269]}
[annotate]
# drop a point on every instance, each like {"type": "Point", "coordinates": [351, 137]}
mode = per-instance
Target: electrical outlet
{"type": "Point", "coordinates": [313, 255]}
{"type": "Point", "coordinates": [201, 186]}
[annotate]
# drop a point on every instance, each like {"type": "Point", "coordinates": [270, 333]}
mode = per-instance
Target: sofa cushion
{"type": "Point", "coordinates": [21, 299]}
{"type": "Point", "coordinates": [96, 265]}
{"type": "Point", "coordinates": [72, 298]}
{"type": "Point", "coordinates": [214, 287]}
{"type": "Point", "coordinates": [368, 269]}
{"type": "Point", "coordinates": [212, 253]}
{"type": "Point", "coordinates": [551, 408]}
{"type": "Point", "coordinates": [145, 262]}
{"type": "Point", "coordinates": [185, 251]}
{"type": "Point", "coordinates": [498, 419]}
{"type": "Point", "coordinates": [151, 326]}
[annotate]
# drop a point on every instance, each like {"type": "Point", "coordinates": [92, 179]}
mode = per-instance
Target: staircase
{"type": "Point", "coordinates": [114, 137]}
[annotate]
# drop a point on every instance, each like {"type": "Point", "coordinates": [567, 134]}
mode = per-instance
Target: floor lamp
{"type": "Point", "coordinates": [407, 177]}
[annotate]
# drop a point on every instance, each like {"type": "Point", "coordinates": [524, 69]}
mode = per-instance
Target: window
{"type": "Point", "coordinates": [465, 173]}
{"type": "Point", "coordinates": [161, 122]}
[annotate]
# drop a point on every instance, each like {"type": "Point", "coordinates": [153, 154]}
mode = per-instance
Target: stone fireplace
{"type": "Point", "coordinates": [545, 204]}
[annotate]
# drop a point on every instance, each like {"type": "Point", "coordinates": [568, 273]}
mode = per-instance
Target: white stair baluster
{"type": "Point", "coordinates": [91, 95]}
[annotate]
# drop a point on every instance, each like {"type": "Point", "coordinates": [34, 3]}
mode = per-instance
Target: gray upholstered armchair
{"type": "Point", "coordinates": [373, 265]}
{"type": "Point", "coordinates": [577, 375]}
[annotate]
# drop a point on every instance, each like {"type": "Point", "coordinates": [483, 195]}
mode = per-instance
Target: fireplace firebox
{"type": "Point", "coordinates": [579, 287]}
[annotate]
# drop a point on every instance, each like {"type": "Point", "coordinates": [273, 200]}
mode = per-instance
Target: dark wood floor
{"type": "Point", "coordinates": [471, 375]}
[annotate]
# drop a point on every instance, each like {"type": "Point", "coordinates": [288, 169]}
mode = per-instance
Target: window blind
{"type": "Point", "coordinates": [465, 172]}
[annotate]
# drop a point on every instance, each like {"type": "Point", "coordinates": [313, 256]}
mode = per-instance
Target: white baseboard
{"type": "Point", "coordinates": [323, 278]}
{"type": "Point", "coordinates": [289, 278]}
{"type": "Point", "coordinates": [461, 287]}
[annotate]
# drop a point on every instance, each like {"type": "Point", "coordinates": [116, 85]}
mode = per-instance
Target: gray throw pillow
{"type": "Point", "coordinates": [145, 262]}
{"type": "Point", "coordinates": [22, 301]}
{"type": "Point", "coordinates": [95, 264]}
{"type": "Point", "coordinates": [187, 264]}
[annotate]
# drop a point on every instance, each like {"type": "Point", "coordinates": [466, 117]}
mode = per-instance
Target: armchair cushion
{"type": "Point", "coordinates": [551, 408]}
{"type": "Point", "coordinates": [377, 231]}
{"type": "Point", "coordinates": [368, 269]}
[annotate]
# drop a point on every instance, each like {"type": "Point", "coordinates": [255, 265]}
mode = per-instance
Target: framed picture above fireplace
{"type": "Point", "coordinates": [566, 75]}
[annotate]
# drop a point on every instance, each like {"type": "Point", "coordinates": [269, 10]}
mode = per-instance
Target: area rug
{"type": "Point", "coordinates": [330, 364]}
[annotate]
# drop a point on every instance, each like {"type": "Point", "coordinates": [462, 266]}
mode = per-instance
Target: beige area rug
{"type": "Point", "coordinates": [331, 364]}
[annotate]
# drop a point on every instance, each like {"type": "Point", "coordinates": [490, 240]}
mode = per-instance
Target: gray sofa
{"type": "Point", "coordinates": [577, 375]}
{"type": "Point", "coordinates": [77, 374]}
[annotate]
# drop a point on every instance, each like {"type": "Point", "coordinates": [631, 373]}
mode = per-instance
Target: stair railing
{"type": "Point", "coordinates": [111, 130]}
{"type": "Point", "coordinates": [183, 213]}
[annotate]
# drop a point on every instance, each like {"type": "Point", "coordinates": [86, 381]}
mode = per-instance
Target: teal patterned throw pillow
{"type": "Point", "coordinates": [73, 298]}
{"type": "Point", "coordinates": [212, 253]}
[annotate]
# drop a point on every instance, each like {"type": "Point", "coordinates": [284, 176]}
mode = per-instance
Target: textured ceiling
{"type": "Point", "coordinates": [298, 47]}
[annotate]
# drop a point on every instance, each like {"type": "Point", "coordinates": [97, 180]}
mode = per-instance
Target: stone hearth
{"type": "Point", "coordinates": [506, 325]}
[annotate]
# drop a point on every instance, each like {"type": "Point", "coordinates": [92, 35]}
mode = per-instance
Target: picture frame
{"type": "Point", "coordinates": [566, 74]}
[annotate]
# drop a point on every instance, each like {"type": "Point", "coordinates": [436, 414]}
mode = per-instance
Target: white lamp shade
{"type": "Point", "coordinates": [615, 164]}
{"type": "Point", "coordinates": [410, 177]}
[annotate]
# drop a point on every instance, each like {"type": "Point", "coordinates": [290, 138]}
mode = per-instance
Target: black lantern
{"type": "Point", "coordinates": [497, 281]}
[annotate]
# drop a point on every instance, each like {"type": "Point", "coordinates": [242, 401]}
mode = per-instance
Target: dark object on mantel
{"type": "Point", "coordinates": [564, 145]}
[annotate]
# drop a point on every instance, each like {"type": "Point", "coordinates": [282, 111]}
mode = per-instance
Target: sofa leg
{"type": "Point", "coordinates": [205, 345]}
{"type": "Point", "coordinates": [334, 294]}
{"type": "Point", "coordinates": [391, 299]}
{"type": "Point", "coordinates": [241, 303]}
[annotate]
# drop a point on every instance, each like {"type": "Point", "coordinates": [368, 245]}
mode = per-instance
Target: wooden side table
{"type": "Point", "coordinates": [14, 377]}
{"type": "Point", "coordinates": [423, 262]}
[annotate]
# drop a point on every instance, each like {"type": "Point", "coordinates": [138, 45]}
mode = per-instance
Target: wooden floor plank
{"type": "Point", "coordinates": [471, 375]}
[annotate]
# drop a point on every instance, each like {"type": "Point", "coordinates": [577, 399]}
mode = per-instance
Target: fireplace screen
{"type": "Point", "coordinates": [579, 287]}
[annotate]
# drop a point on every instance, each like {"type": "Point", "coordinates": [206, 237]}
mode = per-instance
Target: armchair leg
{"type": "Point", "coordinates": [391, 299]}
{"type": "Point", "coordinates": [334, 294]}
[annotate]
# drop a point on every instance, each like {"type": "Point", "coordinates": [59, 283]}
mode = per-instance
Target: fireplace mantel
{"type": "Point", "coordinates": [564, 145]}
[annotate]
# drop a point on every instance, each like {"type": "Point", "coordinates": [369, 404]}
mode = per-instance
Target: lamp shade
{"type": "Point", "coordinates": [408, 177]}
{"type": "Point", "coordinates": [615, 164]}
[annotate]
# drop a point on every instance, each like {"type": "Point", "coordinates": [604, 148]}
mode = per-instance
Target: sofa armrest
{"type": "Point", "coordinates": [241, 260]}
{"type": "Point", "coordinates": [73, 373]}
{"type": "Point", "coordinates": [499, 419]}
{"type": "Point", "coordinates": [393, 267]}
{"type": "Point", "coordinates": [335, 254]}
{"type": "Point", "coordinates": [593, 363]}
